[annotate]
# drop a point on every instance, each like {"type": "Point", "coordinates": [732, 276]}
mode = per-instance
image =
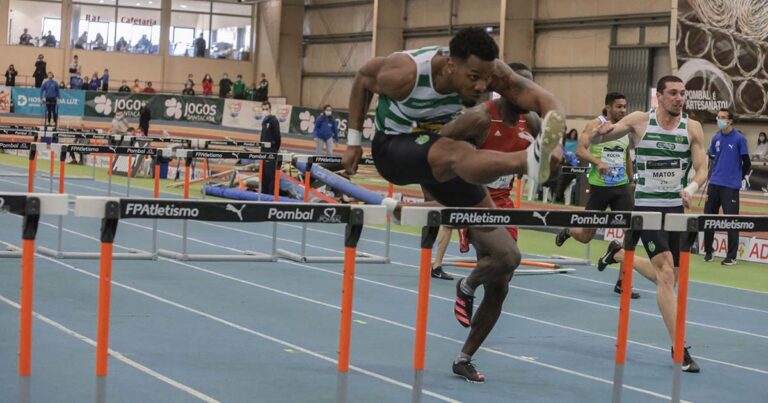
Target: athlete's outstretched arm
{"type": "Point", "coordinates": [380, 75]}
{"type": "Point", "coordinates": [582, 149]}
{"type": "Point", "coordinates": [608, 131]}
{"type": "Point", "coordinates": [698, 159]}
{"type": "Point", "coordinates": [471, 125]}
{"type": "Point", "coordinates": [524, 93]}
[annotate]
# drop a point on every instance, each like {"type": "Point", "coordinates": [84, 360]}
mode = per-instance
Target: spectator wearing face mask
{"type": "Point", "coordinates": [136, 87]}
{"type": "Point", "coordinates": [225, 85]}
{"type": "Point", "coordinates": [326, 131]}
{"type": "Point", "coordinates": [124, 87]}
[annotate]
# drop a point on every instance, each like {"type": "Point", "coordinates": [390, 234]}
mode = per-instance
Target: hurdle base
{"type": "Point", "coordinates": [618, 383]}
{"type": "Point", "coordinates": [134, 254]}
{"type": "Point", "coordinates": [361, 257]}
{"type": "Point", "coordinates": [67, 177]}
{"type": "Point", "coordinates": [12, 175]}
{"type": "Point", "coordinates": [562, 260]}
{"type": "Point", "coordinates": [11, 251]}
{"type": "Point", "coordinates": [418, 386]}
{"type": "Point", "coordinates": [248, 256]}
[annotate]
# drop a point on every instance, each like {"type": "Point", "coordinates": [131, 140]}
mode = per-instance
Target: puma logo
{"type": "Point", "coordinates": [236, 211]}
{"type": "Point", "coordinates": [543, 218]}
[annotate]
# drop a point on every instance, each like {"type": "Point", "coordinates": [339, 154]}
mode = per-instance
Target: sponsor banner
{"type": "Point", "coordinates": [232, 155]}
{"type": "Point", "coordinates": [88, 149]}
{"type": "Point", "coordinates": [5, 99]}
{"type": "Point", "coordinates": [163, 107]}
{"type": "Point", "coordinates": [737, 223]}
{"type": "Point", "coordinates": [27, 101]}
{"type": "Point", "coordinates": [336, 159]}
{"type": "Point", "coordinates": [13, 145]}
{"type": "Point", "coordinates": [303, 122]}
{"type": "Point", "coordinates": [15, 204]}
{"type": "Point", "coordinates": [464, 217]}
{"type": "Point", "coordinates": [247, 115]}
{"type": "Point", "coordinates": [720, 51]}
{"type": "Point", "coordinates": [233, 212]}
{"type": "Point", "coordinates": [750, 248]}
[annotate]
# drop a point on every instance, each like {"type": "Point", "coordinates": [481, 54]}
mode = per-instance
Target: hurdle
{"type": "Point", "coordinates": [363, 257]}
{"type": "Point", "coordinates": [31, 148]}
{"type": "Point", "coordinates": [30, 206]}
{"type": "Point", "coordinates": [111, 210]}
{"type": "Point", "coordinates": [689, 225]}
{"type": "Point", "coordinates": [430, 219]}
{"type": "Point", "coordinates": [248, 256]}
{"type": "Point", "coordinates": [62, 149]}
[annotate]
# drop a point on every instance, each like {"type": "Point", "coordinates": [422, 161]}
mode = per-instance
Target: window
{"type": "Point", "coordinates": [225, 29]}
{"type": "Point", "coordinates": [93, 27]}
{"type": "Point", "coordinates": [37, 18]}
{"type": "Point", "coordinates": [138, 30]}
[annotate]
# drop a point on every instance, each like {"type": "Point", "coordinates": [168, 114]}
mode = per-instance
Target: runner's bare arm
{"type": "Point", "coordinates": [630, 167]}
{"type": "Point", "coordinates": [524, 93]}
{"type": "Point", "coordinates": [608, 131]}
{"type": "Point", "coordinates": [582, 149]}
{"type": "Point", "coordinates": [472, 125]}
{"type": "Point", "coordinates": [698, 155]}
{"type": "Point", "coordinates": [533, 121]}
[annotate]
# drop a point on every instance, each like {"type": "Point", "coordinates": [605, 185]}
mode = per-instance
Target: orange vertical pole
{"type": "Point", "coordinates": [25, 319]}
{"type": "Point", "coordinates": [347, 293]}
{"type": "Point", "coordinates": [682, 304]}
{"type": "Point", "coordinates": [62, 164]}
{"type": "Point", "coordinates": [186, 180]}
{"type": "Point", "coordinates": [277, 183]}
{"type": "Point", "coordinates": [105, 290]}
{"type": "Point", "coordinates": [111, 161]}
{"type": "Point", "coordinates": [307, 181]}
{"type": "Point", "coordinates": [205, 168]}
{"type": "Point", "coordinates": [157, 178]}
{"type": "Point", "coordinates": [50, 168]}
{"type": "Point", "coordinates": [32, 170]}
{"type": "Point", "coordinates": [422, 310]}
{"type": "Point", "coordinates": [626, 293]}
{"type": "Point", "coordinates": [130, 164]}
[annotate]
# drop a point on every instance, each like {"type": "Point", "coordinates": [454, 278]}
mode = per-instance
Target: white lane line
{"type": "Point", "coordinates": [237, 326]}
{"type": "Point", "coordinates": [117, 355]}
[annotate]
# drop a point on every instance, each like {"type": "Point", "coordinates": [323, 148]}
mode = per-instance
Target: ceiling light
{"type": "Point", "coordinates": [183, 6]}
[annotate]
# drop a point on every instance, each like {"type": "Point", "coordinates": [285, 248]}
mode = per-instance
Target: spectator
{"type": "Point", "coordinates": [145, 115]}
{"type": "Point", "coordinates": [121, 45]}
{"type": "Point", "coordinates": [74, 73]}
{"type": "Point", "coordinates": [49, 41]}
{"type": "Point", "coordinates": [98, 43]}
{"type": "Point", "coordinates": [761, 152]}
{"type": "Point", "coordinates": [105, 80]}
{"type": "Point", "coordinates": [190, 82]}
{"type": "Point", "coordinates": [144, 45]}
{"type": "Point", "coordinates": [187, 90]}
{"type": "Point", "coordinates": [10, 76]}
{"type": "Point", "coordinates": [239, 88]}
{"type": "Point", "coordinates": [136, 87]}
{"type": "Point", "coordinates": [95, 83]}
{"type": "Point", "coordinates": [82, 40]}
{"type": "Point", "coordinates": [262, 90]}
{"type": "Point", "coordinates": [270, 132]}
{"type": "Point", "coordinates": [86, 84]}
{"type": "Point", "coordinates": [570, 142]}
{"type": "Point", "coordinates": [225, 85]}
{"type": "Point", "coordinates": [62, 85]}
{"type": "Point", "coordinates": [119, 123]}
{"type": "Point", "coordinates": [50, 92]}
{"type": "Point", "coordinates": [199, 45]}
{"type": "Point", "coordinates": [729, 155]}
{"type": "Point", "coordinates": [148, 89]}
{"type": "Point", "coordinates": [25, 38]}
{"type": "Point", "coordinates": [250, 92]}
{"type": "Point", "coordinates": [207, 85]}
{"type": "Point", "coordinates": [326, 131]}
{"type": "Point", "coordinates": [40, 71]}
{"type": "Point", "coordinates": [124, 87]}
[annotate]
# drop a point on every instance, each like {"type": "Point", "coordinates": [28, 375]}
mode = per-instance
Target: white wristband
{"type": "Point", "coordinates": [354, 137]}
{"type": "Point", "coordinates": [692, 188]}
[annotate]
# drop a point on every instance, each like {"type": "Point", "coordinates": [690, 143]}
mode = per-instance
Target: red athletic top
{"type": "Point", "coordinates": [504, 138]}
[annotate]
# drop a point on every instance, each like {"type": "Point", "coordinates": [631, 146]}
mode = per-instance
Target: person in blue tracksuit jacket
{"type": "Point", "coordinates": [326, 131]}
{"type": "Point", "coordinates": [50, 93]}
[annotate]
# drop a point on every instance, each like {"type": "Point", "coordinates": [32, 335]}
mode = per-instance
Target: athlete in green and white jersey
{"type": "Point", "coordinates": [667, 145]}
{"type": "Point", "coordinates": [609, 175]}
{"type": "Point", "coordinates": [420, 93]}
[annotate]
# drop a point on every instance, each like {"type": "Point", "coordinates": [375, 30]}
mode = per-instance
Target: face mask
{"type": "Point", "coordinates": [722, 124]}
{"type": "Point", "coordinates": [265, 111]}
{"type": "Point", "coordinates": [327, 113]}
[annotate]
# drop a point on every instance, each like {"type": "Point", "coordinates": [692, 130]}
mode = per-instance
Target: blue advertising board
{"type": "Point", "coordinates": [27, 101]}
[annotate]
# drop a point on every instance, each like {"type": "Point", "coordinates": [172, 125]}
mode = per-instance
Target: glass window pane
{"type": "Point", "coordinates": [99, 2]}
{"type": "Point", "coordinates": [36, 18]}
{"type": "Point", "coordinates": [185, 30]}
{"type": "Point", "coordinates": [154, 4]}
{"type": "Point", "coordinates": [138, 31]}
{"type": "Point", "coordinates": [191, 5]}
{"type": "Point", "coordinates": [231, 8]}
{"type": "Point", "coordinates": [93, 27]}
{"type": "Point", "coordinates": [230, 37]}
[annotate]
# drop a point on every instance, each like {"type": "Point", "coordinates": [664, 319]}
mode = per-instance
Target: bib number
{"type": "Point", "coordinates": [615, 160]}
{"type": "Point", "coordinates": [664, 175]}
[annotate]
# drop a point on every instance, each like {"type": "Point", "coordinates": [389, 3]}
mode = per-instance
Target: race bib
{"type": "Point", "coordinates": [615, 160]}
{"type": "Point", "coordinates": [501, 183]}
{"type": "Point", "coordinates": [664, 175]}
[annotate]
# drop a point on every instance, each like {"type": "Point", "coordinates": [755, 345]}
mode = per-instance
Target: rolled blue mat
{"type": "Point", "coordinates": [342, 185]}
{"type": "Point", "coordinates": [239, 194]}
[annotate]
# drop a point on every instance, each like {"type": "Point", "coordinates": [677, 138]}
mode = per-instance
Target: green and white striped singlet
{"type": "Point", "coordinates": [424, 109]}
{"type": "Point", "coordinates": [663, 161]}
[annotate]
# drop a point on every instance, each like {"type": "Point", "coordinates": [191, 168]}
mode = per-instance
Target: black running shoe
{"type": "Point", "coordinates": [437, 272]}
{"type": "Point", "coordinates": [617, 290]}
{"type": "Point", "coordinates": [708, 257]}
{"type": "Point", "coordinates": [689, 365]}
{"type": "Point", "coordinates": [467, 370]}
{"type": "Point", "coordinates": [613, 248]}
{"type": "Point", "coordinates": [462, 308]}
{"type": "Point", "coordinates": [728, 262]}
{"type": "Point", "coordinates": [562, 236]}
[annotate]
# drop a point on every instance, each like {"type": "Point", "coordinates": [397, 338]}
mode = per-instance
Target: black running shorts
{"type": "Point", "coordinates": [618, 198]}
{"type": "Point", "coordinates": [403, 160]}
{"type": "Point", "coordinates": [657, 242]}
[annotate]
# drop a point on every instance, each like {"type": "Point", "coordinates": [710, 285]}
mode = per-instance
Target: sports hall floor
{"type": "Point", "coordinates": [267, 332]}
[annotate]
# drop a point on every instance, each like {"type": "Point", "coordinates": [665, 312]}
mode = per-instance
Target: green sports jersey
{"type": "Point", "coordinates": [663, 162]}
{"type": "Point", "coordinates": [614, 154]}
{"type": "Point", "coordinates": [424, 109]}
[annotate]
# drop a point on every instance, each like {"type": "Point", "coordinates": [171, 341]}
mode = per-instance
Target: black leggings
{"type": "Point", "coordinates": [727, 198]}
{"type": "Point", "coordinates": [51, 112]}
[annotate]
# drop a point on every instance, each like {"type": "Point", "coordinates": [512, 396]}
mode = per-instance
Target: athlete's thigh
{"type": "Point", "coordinates": [491, 240]}
{"type": "Point", "coordinates": [622, 199]}
{"type": "Point", "coordinates": [599, 198]}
